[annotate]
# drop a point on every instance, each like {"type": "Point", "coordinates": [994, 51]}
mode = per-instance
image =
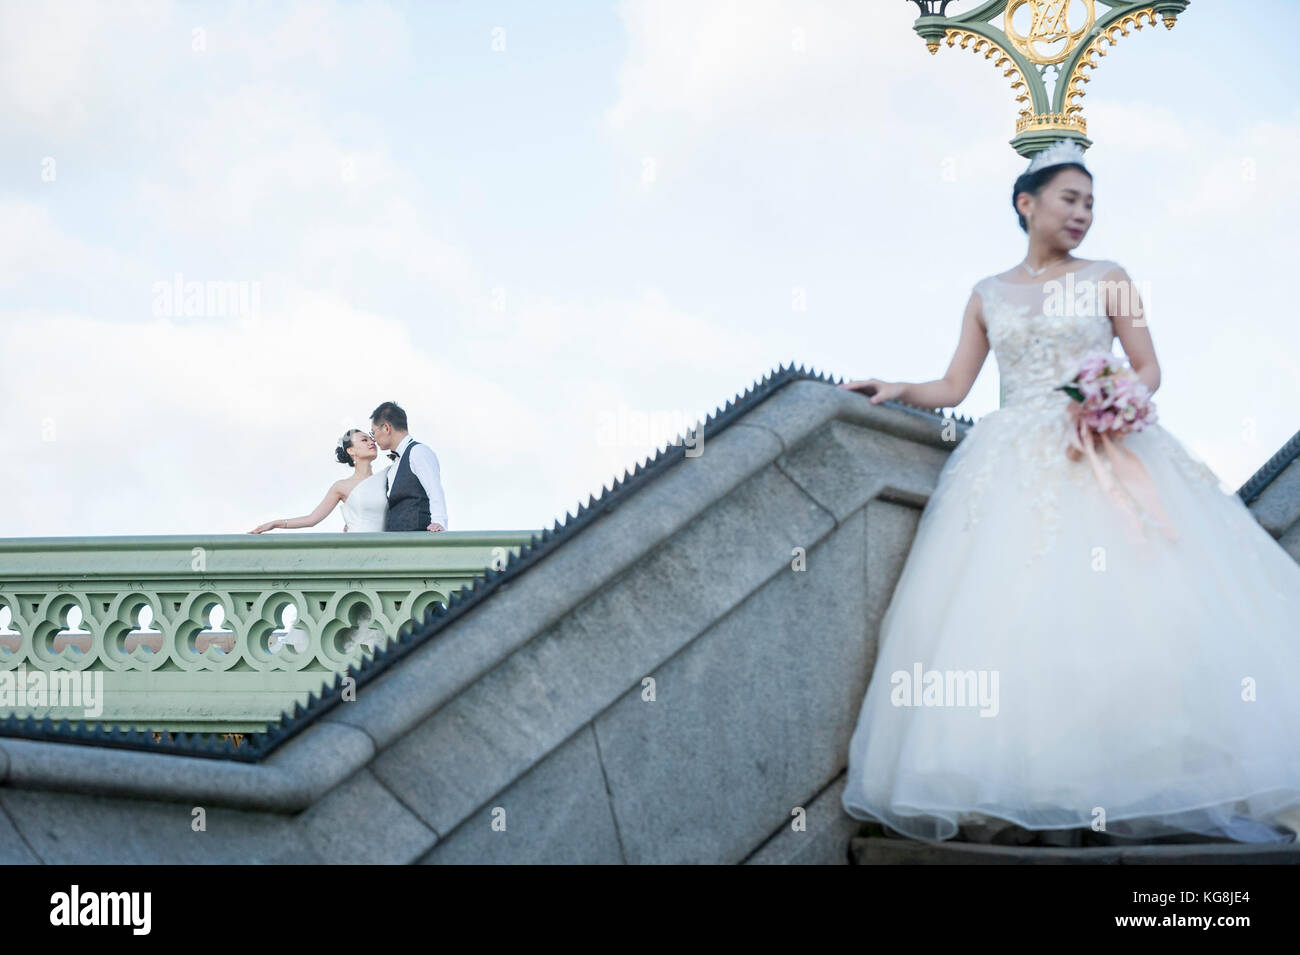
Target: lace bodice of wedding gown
{"type": "Point", "coordinates": [1039, 332]}
{"type": "Point", "coordinates": [364, 507]}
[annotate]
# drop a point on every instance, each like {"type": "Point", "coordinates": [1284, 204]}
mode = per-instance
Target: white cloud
{"type": "Point", "coordinates": [33, 249]}
{"type": "Point", "coordinates": [779, 65]}
{"type": "Point", "coordinates": [58, 64]}
{"type": "Point", "coordinates": [325, 35]}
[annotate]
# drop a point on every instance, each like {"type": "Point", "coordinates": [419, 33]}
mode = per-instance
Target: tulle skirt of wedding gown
{"type": "Point", "coordinates": [1149, 685]}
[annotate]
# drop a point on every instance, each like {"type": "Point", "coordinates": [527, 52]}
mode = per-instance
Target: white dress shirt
{"type": "Point", "coordinates": [424, 465]}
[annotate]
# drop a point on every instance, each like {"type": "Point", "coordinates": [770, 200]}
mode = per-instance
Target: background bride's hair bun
{"type": "Point", "coordinates": [341, 449]}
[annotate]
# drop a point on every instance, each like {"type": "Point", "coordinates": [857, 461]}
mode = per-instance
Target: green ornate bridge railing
{"type": "Point", "coordinates": [215, 634]}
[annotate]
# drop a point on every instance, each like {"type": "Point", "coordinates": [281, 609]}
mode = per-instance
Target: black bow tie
{"type": "Point", "coordinates": [392, 455]}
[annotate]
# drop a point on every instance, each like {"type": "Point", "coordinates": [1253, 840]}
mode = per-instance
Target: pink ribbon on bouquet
{"type": "Point", "coordinates": [1128, 475]}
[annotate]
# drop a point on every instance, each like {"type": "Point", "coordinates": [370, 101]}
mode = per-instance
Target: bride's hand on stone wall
{"type": "Point", "coordinates": [875, 389]}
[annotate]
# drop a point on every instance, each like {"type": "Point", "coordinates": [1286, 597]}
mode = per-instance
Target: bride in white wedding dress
{"type": "Point", "coordinates": [363, 496]}
{"type": "Point", "coordinates": [1141, 684]}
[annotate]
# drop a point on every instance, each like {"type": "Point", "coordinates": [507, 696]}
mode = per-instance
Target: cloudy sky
{"type": "Point", "coordinates": [554, 231]}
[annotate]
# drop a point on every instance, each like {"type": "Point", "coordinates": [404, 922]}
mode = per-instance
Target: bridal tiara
{"type": "Point", "coordinates": [1060, 152]}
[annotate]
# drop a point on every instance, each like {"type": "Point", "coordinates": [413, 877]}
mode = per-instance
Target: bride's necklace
{"type": "Point", "coordinates": [1037, 272]}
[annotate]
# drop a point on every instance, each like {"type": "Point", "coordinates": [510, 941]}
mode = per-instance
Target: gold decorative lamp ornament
{"type": "Point", "coordinates": [1026, 40]}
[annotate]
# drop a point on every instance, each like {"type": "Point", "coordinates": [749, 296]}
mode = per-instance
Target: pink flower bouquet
{"type": "Point", "coordinates": [1112, 398]}
{"type": "Point", "coordinates": [1111, 401]}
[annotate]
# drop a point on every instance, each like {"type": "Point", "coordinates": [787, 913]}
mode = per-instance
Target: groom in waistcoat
{"type": "Point", "coordinates": [415, 499]}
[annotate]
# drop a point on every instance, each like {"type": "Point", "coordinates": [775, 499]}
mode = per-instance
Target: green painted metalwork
{"type": "Point", "coordinates": [1047, 117]}
{"type": "Point", "coordinates": [213, 634]}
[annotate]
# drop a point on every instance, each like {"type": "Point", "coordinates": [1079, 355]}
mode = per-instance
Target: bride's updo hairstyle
{"type": "Point", "coordinates": [1035, 182]}
{"type": "Point", "coordinates": [341, 451]}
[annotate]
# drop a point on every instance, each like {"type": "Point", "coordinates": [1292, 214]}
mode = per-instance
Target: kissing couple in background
{"type": "Point", "coordinates": [404, 495]}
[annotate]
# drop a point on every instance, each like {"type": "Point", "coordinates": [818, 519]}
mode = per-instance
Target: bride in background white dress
{"type": "Point", "coordinates": [363, 496]}
{"type": "Point", "coordinates": [1141, 684]}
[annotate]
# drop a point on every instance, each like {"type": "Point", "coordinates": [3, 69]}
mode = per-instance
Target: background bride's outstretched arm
{"type": "Point", "coordinates": [1129, 318]}
{"type": "Point", "coordinates": [332, 498]}
{"type": "Point", "coordinates": [950, 390]}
